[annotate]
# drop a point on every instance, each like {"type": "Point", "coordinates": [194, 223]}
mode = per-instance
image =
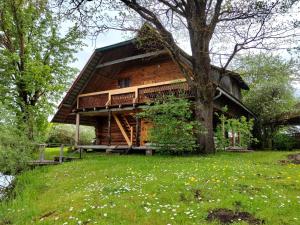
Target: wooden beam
{"type": "Point", "coordinates": [126, 121]}
{"type": "Point", "coordinates": [122, 129]}
{"type": "Point", "coordinates": [137, 131]}
{"type": "Point", "coordinates": [61, 153]}
{"type": "Point", "coordinates": [77, 129]}
{"type": "Point", "coordinates": [131, 136]}
{"type": "Point", "coordinates": [131, 58]}
{"type": "Point", "coordinates": [109, 128]}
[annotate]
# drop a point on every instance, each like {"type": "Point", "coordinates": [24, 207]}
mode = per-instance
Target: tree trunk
{"type": "Point", "coordinates": [204, 115]}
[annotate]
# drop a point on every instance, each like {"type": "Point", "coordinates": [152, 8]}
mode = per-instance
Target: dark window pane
{"type": "Point", "coordinates": [124, 83]}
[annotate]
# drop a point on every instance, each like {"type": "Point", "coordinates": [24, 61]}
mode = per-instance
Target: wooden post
{"type": "Point", "coordinates": [77, 129]}
{"type": "Point", "coordinates": [149, 151]}
{"type": "Point", "coordinates": [42, 152]}
{"type": "Point", "coordinates": [61, 153]}
{"type": "Point", "coordinates": [131, 135]}
{"type": "Point", "coordinates": [80, 153]}
{"type": "Point", "coordinates": [137, 131]}
{"type": "Point", "coordinates": [109, 127]}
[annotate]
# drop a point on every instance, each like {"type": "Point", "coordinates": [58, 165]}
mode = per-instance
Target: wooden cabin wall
{"type": "Point", "coordinates": [101, 131]}
{"type": "Point", "coordinates": [139, 74]}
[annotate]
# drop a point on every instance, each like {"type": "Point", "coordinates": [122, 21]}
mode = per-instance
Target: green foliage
{"type": "Point", "coordinates": [34, 65]}
{"type": "Point", "coordinates": [221, 140]}
{"type": "Point", "coordinates": [271, 93]}
{"type": "Point", "coordinates": [283, 141]}
{"type": "Point", "coordinates": [173, 130]}
{"type": "Point", "coordinates": [15, 150]}
{"type": "Point", "coordinates": [269, 78]}
{"type": "Point", "coordinates": [64, 134]}
{"type": "Point", "coordinates": [240, 126]}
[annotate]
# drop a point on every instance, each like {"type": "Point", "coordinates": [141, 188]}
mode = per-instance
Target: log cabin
{"type": "Point", "coordinates": [117, 82]}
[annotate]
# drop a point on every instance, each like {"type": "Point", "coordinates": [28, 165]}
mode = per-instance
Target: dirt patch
{"type": "Point", "coordinates": [197, 194]}
{"type": "Point", "coordinates": [292, 158]}
{"type": "Point", "coordinates": [182, 197]}
{"type": "Point", "coordinates": [5, 222]}
{"type": "Point", "coordinates": [228, 216]}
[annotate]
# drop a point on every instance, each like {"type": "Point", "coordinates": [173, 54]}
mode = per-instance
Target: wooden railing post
{"type": "Point", "coordinates": [77, 129]}
{"type": "Point", "coordinates": [80, 153]}
{"type": "Point", "coordinates": [109, 127]}
{"type": "Point", "coordinates": [131, 135]}
{"type": "Point", "coordinates": [42, 152]}
{"type": "Point", "coordinates": [61, 153]}
{"type": "Point", "coordinates": [137, 131]}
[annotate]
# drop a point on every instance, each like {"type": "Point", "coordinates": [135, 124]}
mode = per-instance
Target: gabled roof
{"type": "Point", "coordinates": [104, 55]}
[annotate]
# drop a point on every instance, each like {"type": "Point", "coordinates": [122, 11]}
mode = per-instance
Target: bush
{"type": "Point", "coordinates": [15, 150]}
{"type": "Point", "coordinates": [241, 125]}
{"type": "Point", "coordinates": [283, 141]}
{"type": "Point", "coordinates": [173, 129]}
{"type": "Point", "coordinates": [65, 133]}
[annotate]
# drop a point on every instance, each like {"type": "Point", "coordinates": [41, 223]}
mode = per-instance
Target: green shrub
{"type": "Point", "coordinates": [241, 125]}
{"type": "Point", "coordinates": [65, 133]}
{"type": "Point", "coordinates": [283, 141]}
{"type": "Point", "coordinates": [15, 150]}
{"type": "Point", "coordinates": [173, 130]}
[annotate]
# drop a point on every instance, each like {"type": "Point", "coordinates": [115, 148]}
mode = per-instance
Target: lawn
{"type": "Point", "coordinates": [157, 190]}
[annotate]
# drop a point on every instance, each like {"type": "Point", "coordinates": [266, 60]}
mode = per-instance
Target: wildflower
{"type": "Point", "coordinates": [192, 179]}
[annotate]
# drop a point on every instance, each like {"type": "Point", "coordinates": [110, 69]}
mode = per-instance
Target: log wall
{"type": "Point", "coordinates": [101, 130]}
{"type": "Point", "coordinates": [139, 74]}
{"type": "Point", "coordinates": [148, 72]}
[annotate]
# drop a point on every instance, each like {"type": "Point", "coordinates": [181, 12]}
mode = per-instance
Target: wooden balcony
{"type": "Point", "coordinates": [133, 95]}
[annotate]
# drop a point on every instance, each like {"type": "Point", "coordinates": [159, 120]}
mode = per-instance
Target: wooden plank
{"type": "Point", "coordinates": [122, 129]}
{"type": "Point", "coordinates": [61, 153]}
{"type": "Point", "coordinates": [77, 129]}
{"type": "Point", "coordinates": [131, 136]}
{"type": "Point", "coordinates": [109, 128]}
{"type": "Point", "coordinates": [131, 58]}
{"type": "Point", "coordinates": [102, 147]}
{"type": "Point", "coordinates": [126, 121]}
{"type": "Point", "coordinates": [137, 132]}
{"type": "Point", "coordinates": [42, 152]}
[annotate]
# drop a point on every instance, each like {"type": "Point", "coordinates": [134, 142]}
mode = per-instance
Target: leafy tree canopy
{"type": "Point", "coordinates": [35, 58]}
{"type": "Point", "coordinates": [270, 80]}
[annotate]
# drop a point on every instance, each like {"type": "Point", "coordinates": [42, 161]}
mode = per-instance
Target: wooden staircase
{"type": "Point", "coordinates": [126, 124]}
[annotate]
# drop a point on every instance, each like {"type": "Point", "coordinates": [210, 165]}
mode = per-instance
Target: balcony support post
{"type": "Point", "coordinates": [137, 131]}
{"type": "Point", "coordinates": [77, 129]}
{"type": "Point", "coordinates": [109, 127]}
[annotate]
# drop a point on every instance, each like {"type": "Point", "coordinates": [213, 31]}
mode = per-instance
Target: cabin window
{"type": "Point", "coordinates": [125, 82]}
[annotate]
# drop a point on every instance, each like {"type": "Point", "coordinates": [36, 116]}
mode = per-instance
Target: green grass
{"type": "Point", "coordinates": [157, 190]}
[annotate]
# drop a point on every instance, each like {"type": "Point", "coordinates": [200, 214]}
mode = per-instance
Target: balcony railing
{"type": "Point", "coordinates": [133, 95]}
